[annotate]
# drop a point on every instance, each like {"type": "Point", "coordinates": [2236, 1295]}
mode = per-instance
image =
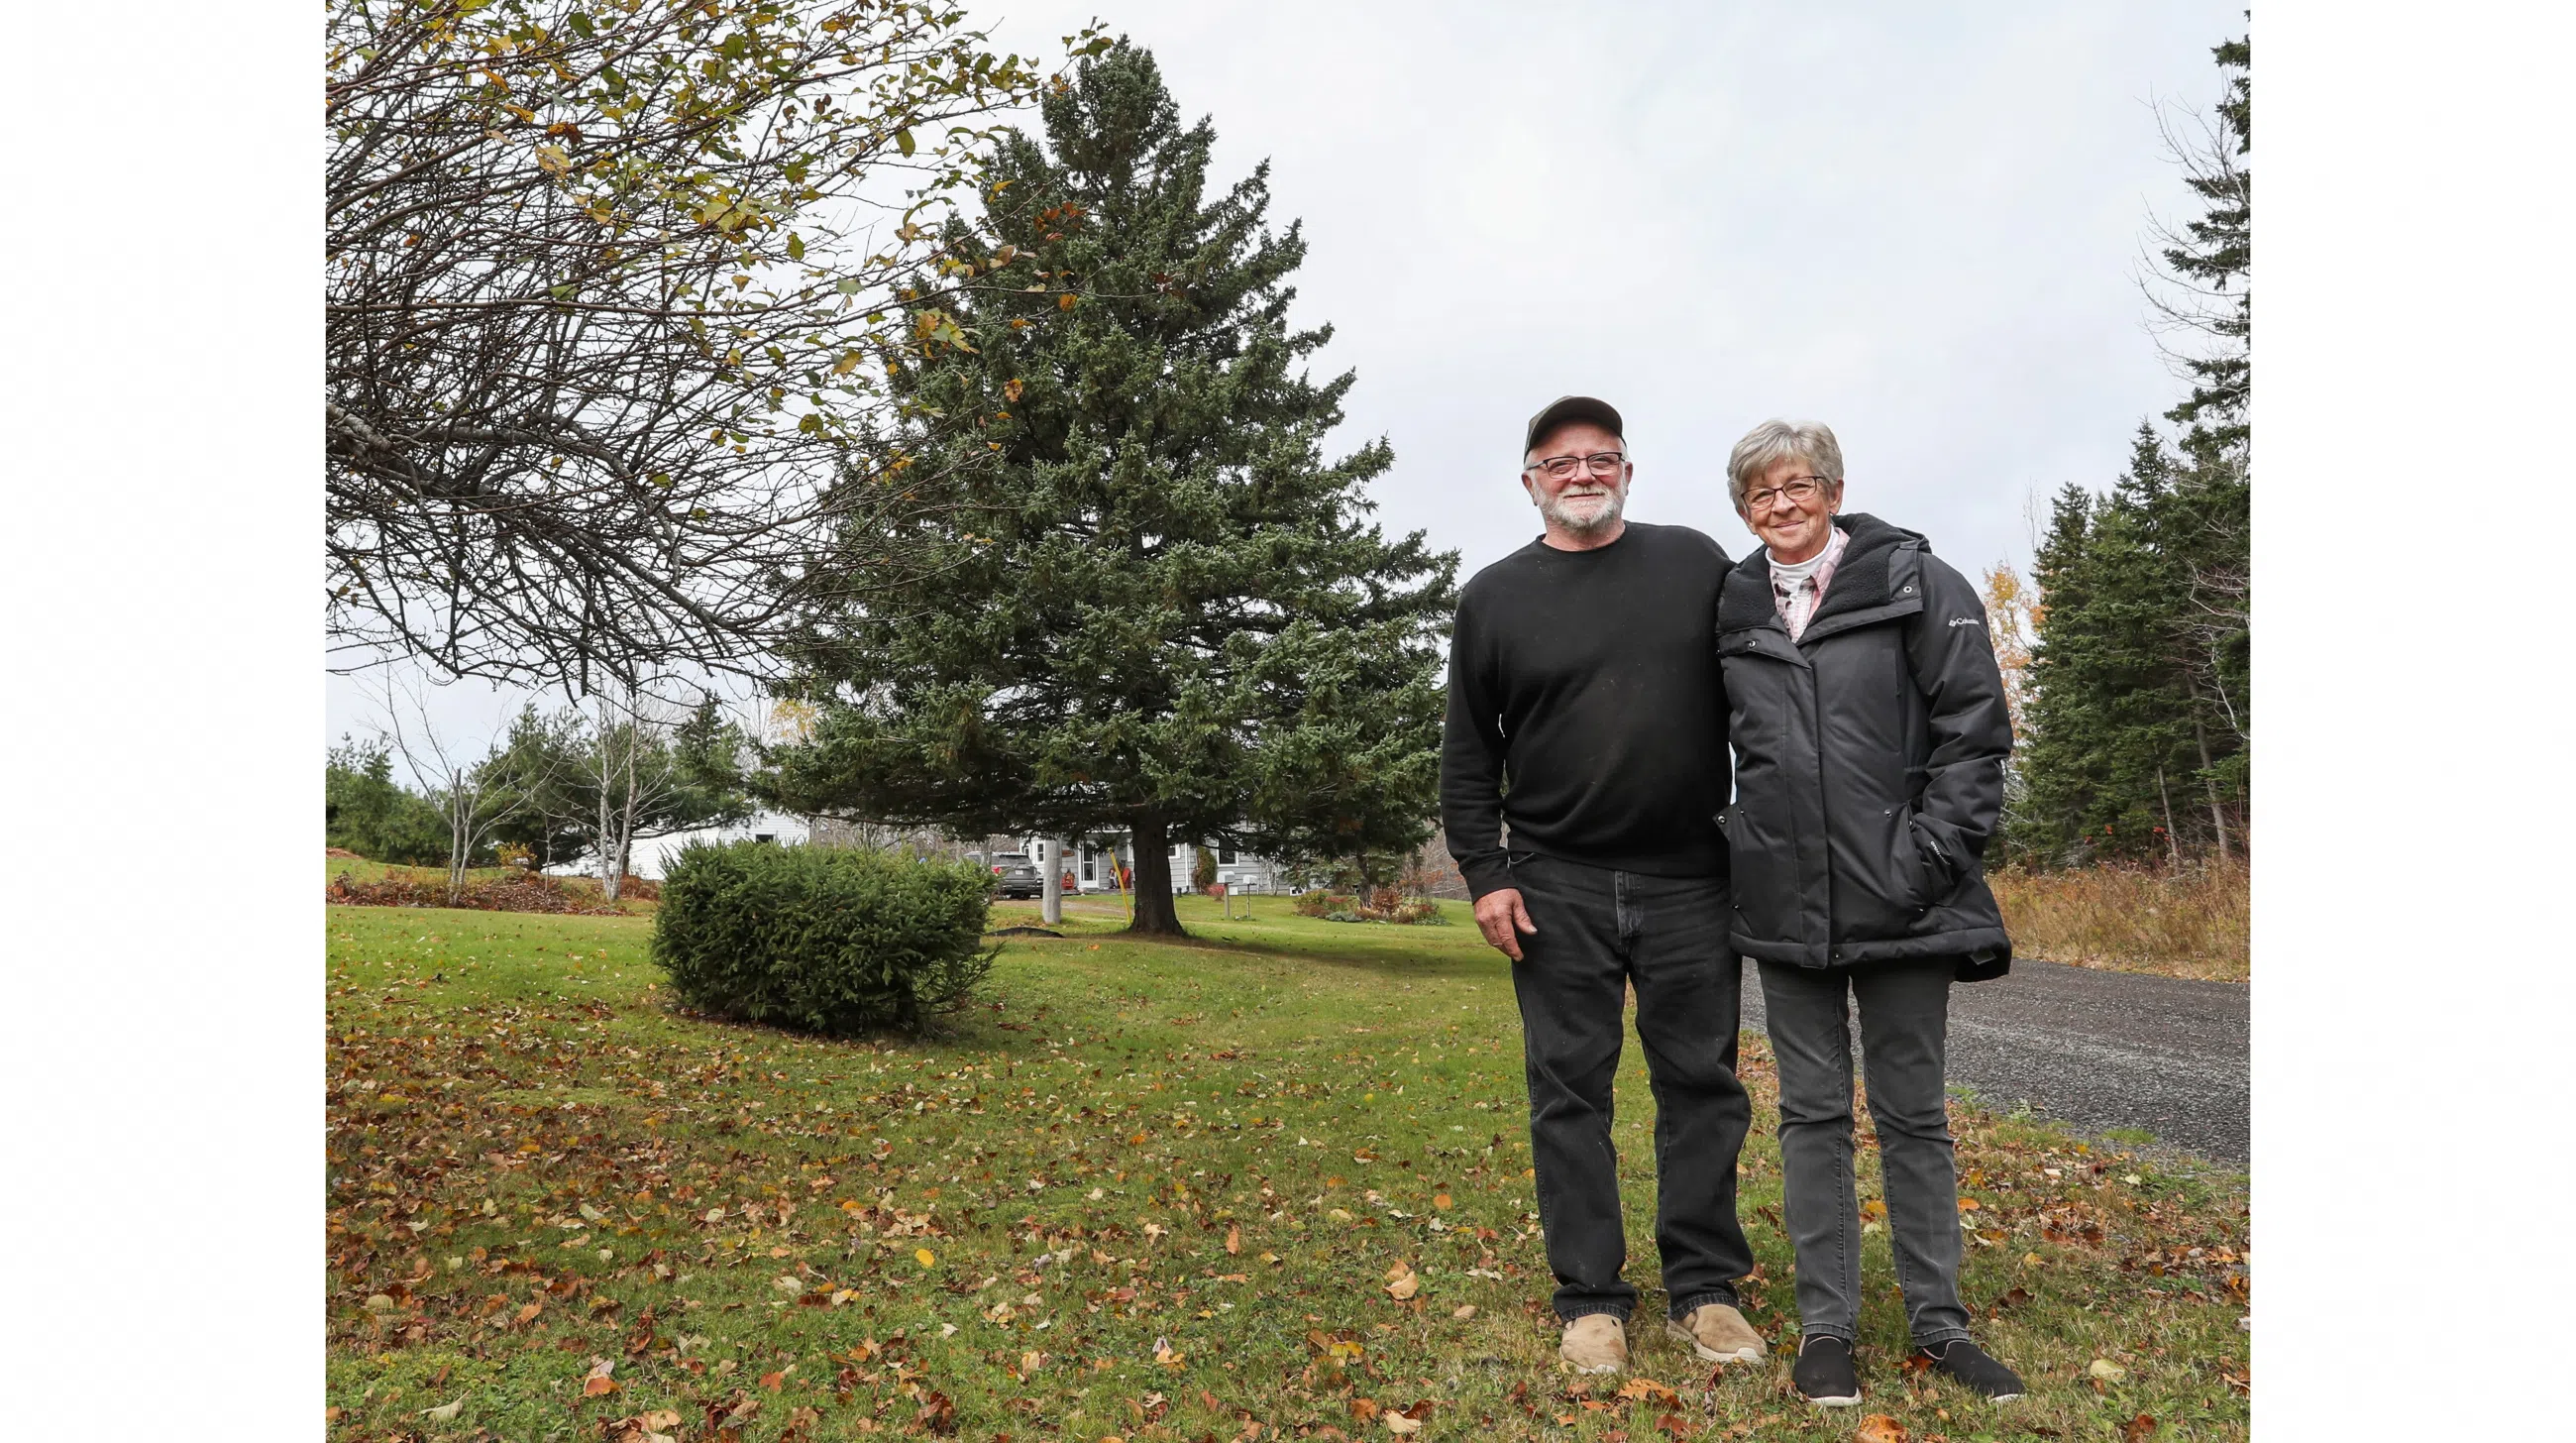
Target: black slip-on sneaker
{"type": "Point", "coordinates": [1968, 1363]}
{"type": "Point", "coordinates": [1823, 1373]}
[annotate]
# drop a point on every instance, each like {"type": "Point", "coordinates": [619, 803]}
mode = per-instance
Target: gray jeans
{"type": "Point", "coordinates": [1904, 1019]}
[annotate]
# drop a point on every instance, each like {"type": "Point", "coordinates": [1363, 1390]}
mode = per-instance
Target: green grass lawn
{"type": "Point", "coordinates": [1143, 1191]}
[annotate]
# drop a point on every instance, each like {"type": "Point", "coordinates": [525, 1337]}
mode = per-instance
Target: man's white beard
{"type": "Point", "coordinates": [1558, 514]}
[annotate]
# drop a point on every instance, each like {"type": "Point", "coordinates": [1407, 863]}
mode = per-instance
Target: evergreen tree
{"type": "Point", "coordinates": [2208, 529]}
{"type": "Point", "coordinates": [2140, 715]}
{"type": "Point", "coordinates": [364, 810]}
{"type": "Point", "coordinates": [1158, 607]}
{"type": "Point", "coordinates": [537, 762]}
{"type": "Point", "coordinates": [2206, 288]}
{"type": "Point", "coordinates": [662, 776]}
{"type": "Point", "coordinates": [2131, 753]}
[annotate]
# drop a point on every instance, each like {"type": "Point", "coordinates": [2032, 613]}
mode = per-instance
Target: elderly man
{"type": "Point", "coordinates": [1868, 721]}
{"type": "Point", "coordinates": [1583, 702]}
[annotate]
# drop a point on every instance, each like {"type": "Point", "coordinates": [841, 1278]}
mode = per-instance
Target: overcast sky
{"type": "Point", "coordinates": [1918, 224]}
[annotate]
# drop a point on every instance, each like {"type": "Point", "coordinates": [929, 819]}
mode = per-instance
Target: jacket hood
{"type": "Point", "coordinates": [1861, 578]}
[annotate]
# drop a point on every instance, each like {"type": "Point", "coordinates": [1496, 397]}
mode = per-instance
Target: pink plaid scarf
{"type": "Point", "coordinates": [1799, 603]}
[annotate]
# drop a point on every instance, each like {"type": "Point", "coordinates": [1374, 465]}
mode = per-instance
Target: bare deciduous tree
{"type": "Point", "coordinates": [464, 787]}
{"type": "Point", "coordinates": [627, 779]}
{"type": "Point", "coordinates": [605, 308]}
{"type": "Point", "coordinates": [647, 768]}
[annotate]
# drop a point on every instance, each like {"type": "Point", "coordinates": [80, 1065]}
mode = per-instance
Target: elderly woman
{"type": "Point", "coordinates": [1868, 721]}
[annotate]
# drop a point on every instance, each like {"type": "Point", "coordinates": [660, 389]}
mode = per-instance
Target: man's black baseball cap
{"type": "Point", "coordinates": [1573, 408]}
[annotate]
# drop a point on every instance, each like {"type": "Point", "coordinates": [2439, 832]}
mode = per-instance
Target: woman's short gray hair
{"type": "Point", "coordinates": [1775, 441]}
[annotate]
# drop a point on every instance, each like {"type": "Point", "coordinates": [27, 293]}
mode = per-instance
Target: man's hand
{"type": "Point", "coordinates": [1498, 914]}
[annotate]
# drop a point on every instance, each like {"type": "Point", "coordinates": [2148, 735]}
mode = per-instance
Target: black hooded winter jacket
{"type": "Point", "coordinates": [1869, 761]}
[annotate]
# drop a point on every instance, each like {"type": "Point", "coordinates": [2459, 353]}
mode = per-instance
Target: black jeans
{"type": "Point", "coordinates": [1904, 1025]}
{"type": "Point", "coordinates": [1599, 930]}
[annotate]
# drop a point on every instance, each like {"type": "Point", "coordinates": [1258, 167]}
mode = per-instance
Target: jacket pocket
{"type": "Point", "coordinates": [1762, 874]}
{"type": "Point", "coordinates": [1924, 868]}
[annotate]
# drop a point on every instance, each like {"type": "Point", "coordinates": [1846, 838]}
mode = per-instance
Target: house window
{"type": "Point", "coordinates": [764, 836]}
{"type": "Point", "coordinates": [1225, 856]}
{"type": "Point", "coordinates": [1089, 874]}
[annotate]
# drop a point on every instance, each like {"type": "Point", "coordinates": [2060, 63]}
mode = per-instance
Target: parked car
{"type": "Point", "coordinates": [1014, 875]}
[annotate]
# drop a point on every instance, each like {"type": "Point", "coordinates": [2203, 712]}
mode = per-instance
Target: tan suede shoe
{"type": "Point", "coordinates": [1595, 1343]}
{"type": "Point", "coordinates": [1719, 1334]}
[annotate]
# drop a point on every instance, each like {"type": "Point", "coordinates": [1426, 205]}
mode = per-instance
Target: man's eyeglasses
{"type": "Point", "coordinates": [1801, 489]}
{"type": "Point", "coordinates": [1599, 463]}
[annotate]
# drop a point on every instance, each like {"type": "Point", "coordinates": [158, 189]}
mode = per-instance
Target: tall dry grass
{"type": "Point", "coordinates": [2195, 922]}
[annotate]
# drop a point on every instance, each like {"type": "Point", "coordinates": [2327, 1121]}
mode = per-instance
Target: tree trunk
{"type": "Point", "coordinates": [612, 845]}
{"type": "Point", "coordinates": [2173, 839]}
{"type": "Point", "coordinates": [1051, 881]}
{"type": "Point", "coordinates": [1155, 915]}
{"type": "Point", "coordinates": [2217, 814]}
{"type": "Point", "coordinates": [460, 845]}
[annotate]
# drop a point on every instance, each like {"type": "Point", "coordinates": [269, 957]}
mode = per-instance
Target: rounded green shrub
{"type": "Point", "coordinates": [821, 939]}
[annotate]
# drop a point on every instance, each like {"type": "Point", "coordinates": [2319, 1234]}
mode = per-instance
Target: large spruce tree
{"type": "Point", "coordinates": [1156, 605]}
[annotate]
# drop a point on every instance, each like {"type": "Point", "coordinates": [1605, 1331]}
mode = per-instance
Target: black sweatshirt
{"type": "Point", "coordinates": [1586, 709]}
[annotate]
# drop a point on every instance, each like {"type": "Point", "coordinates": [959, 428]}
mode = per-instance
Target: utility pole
{"type": "Point", "coordinates": [1051, 880]}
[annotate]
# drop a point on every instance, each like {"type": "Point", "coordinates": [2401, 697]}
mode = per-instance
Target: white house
{"type": "Point", "coordinates": [653, 855]}
{"type": "Point", "coordinates": [1092, 864]}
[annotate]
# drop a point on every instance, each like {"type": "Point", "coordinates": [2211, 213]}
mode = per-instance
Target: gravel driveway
{"type": "Point", "coordinates": [2100, 1050]}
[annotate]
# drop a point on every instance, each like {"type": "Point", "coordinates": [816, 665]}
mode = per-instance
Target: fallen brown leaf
{"type": "Point", "coordinates": [1880, 1428]}
{"type": "Point", "coordinates": [1234, 1238]}
{"type": "Point", "coordinates": [1645, 1388]}
{"type": "Point", "coordinates": [1402, 1282]}
{"type": "Point", "coordinates": [2137, 1428]}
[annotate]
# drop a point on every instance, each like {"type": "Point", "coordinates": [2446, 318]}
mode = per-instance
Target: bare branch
{"type": "Point", "coordinates": [603, 310]}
